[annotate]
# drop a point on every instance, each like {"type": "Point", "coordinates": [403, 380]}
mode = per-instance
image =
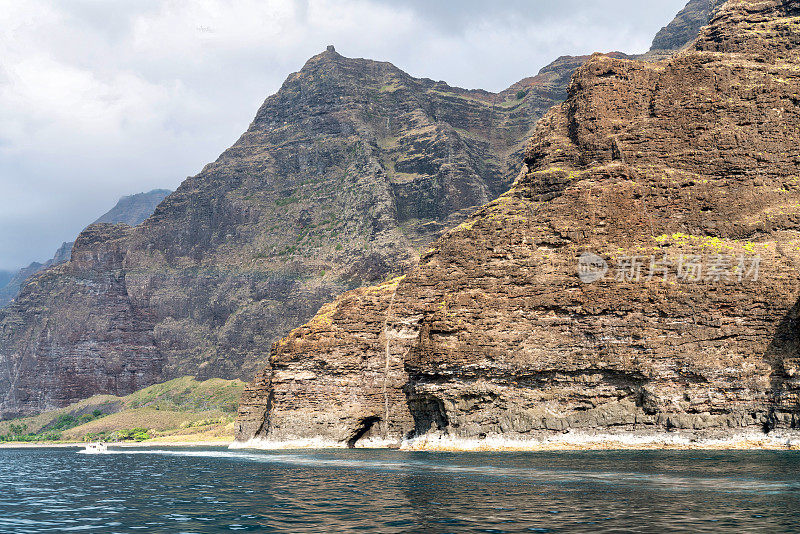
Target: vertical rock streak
{"type": "Point", "coordinates": [388, 340]}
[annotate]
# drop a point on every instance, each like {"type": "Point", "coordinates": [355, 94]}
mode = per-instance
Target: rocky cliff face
{"type": "Point", "coordinates": [343, 176]}
{"type": "Point", "coordinates": [333, 377]}
{"type": "Point", "coordinates": [641, 274]}
{"type": "Point", "coordinates": [60, 361]}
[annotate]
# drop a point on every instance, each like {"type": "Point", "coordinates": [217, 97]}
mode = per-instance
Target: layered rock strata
{"type": "Point", "coordinates": [333, 377]}
{"type": "Point", "coordinates": [640, 275]}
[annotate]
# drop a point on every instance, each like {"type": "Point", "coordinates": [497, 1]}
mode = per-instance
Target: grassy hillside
{"type": "Point", "coordinates": [179, 410]}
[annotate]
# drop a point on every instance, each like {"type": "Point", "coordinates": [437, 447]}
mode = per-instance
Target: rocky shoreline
{"type": "Point", "coordinates": [563, 441]}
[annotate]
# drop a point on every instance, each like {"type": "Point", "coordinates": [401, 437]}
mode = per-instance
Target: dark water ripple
{"type": "Point", "coordinates": [215, 490]}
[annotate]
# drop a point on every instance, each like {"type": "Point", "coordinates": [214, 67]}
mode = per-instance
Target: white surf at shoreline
{"type": "Point", "coordinates": [562, 442]}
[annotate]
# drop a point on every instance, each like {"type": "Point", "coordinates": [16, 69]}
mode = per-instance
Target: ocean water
{"type": "Point", "coordinates": [216, 490]}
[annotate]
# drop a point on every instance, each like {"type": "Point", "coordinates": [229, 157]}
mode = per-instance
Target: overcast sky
{"type": "Point", "coordinates": [103, 98]}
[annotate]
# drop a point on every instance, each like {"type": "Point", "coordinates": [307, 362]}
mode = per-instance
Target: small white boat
{"type": "Point", "coordinates": [95, 448]}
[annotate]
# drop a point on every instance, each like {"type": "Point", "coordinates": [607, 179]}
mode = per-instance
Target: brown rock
{"type": "Point", "coordinates": [333, 377]}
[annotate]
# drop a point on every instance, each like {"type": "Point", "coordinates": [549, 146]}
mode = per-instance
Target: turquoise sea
{"type": "Point", "coordinates": [216, 490]}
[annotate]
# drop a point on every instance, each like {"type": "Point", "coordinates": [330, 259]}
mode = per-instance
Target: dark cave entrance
{"type": "Point", "coordinates": [364, 426]}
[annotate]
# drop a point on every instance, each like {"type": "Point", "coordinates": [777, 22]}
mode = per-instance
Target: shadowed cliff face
{"type": "Point", "coordinates": [343, 176]}
{"type": "Point", "coordinates": [681, 177]}
{"type": "Point", "coordinates": [99, 320]}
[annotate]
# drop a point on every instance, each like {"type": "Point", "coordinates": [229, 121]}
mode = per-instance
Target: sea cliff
{"type": "Point", "coordinates": [640, 276]}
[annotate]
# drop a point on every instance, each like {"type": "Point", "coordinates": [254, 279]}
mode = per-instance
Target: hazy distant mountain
{"type": "Point", "coordinates": [134, 209]}
{"type": "Point", "coordinates": [5, 277]}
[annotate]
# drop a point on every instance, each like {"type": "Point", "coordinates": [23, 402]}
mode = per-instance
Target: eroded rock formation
{"type": "Point", "coordinates": [333, 377]}
{"type": "Point", "coordinates": [681, 176]}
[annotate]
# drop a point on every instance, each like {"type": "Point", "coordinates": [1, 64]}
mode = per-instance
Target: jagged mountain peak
{"type": "Point", "coordinates": [327, 56]}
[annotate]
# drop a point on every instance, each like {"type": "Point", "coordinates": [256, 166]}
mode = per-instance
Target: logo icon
{"type": "Point", "coordinates": [591, 268]}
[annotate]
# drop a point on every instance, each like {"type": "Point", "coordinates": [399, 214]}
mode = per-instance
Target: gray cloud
{"type": "Point", "coordinates": [103, 99]}
{"type": "Point", "coordinates": [455, 16]}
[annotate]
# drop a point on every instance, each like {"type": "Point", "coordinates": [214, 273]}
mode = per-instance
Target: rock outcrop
{"type": "Point", "coordinates": [333, 377]}
{"type": "Point", "coordinates": [130, 210]}
{"type": "Point", "coordinates": [640, 275]}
